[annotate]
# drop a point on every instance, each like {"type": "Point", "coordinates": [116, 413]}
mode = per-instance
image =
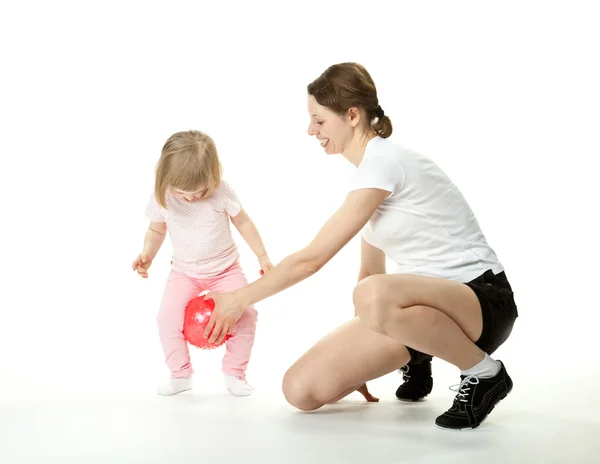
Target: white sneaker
{"type": "Point", "coordinates": [174, 386]}
{"type": "Point", "coordinates": [237, 386]}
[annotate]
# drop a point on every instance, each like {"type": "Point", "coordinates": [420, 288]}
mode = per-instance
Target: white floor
{"type": "Point", "coordinates": [548, 420]}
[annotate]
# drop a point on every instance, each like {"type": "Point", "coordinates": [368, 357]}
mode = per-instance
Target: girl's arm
{"type": "Point", "coordinates": [154, 238]}
{"type": "Point", "coordinates": [249, 233]}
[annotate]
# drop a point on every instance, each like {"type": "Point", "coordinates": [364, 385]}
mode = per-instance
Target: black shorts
{"type": "Point", "coordinates": [498, 310]}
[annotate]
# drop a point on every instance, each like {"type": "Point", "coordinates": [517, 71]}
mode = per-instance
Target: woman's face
{"type": "Point", "coordinates": [334, 132]}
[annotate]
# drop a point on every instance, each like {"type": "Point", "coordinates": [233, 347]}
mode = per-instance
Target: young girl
{"type": "Point", "coordinates": [195, 205]}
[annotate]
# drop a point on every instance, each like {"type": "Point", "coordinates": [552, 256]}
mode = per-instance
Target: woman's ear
{"type": "Point", "coordinates": [353, 116]}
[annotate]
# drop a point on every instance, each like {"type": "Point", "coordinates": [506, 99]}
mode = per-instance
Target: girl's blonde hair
{"type": "Point", "coordinates": [188, 162]}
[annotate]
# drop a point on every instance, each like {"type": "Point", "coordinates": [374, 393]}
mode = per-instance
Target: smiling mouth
{"type": "Point", "coordinates": [324, 142]}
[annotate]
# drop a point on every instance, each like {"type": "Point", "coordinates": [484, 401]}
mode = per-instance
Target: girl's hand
{"type": "Point", "coordinates": [141, 264]}
{"type": "Point", "coordinates": [224, 317]}
{"type": "Point", "coordinates": [265, 264]}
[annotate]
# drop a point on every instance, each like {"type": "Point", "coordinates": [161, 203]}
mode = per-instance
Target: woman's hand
{"type": "Point", "coordinates": [364, 391]}
{"type": "Point", "coordinates": [226, 314]}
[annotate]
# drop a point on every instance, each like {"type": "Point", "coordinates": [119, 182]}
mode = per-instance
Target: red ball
{"type": "Point", "coordinates": [197, 315]}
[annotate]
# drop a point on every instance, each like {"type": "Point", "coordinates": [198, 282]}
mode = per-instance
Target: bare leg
{"type": "Point", "coordinates": [436, 316]}
{"type": "Point", "coordinates": [441, 318]}
{"type": "Point", "coordinates": [339, 364]}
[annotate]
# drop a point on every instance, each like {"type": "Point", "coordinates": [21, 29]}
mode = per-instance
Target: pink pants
{"type": "Point", "coordinates": [179, 290]}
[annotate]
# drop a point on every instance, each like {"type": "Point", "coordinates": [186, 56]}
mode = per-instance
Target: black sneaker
{"type": "Point", "coordinates": [418, 381]}
{"type": "Point", "coordinates": [475, 399]}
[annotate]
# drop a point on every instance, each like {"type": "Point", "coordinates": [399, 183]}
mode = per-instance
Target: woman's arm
{"type": "Point", "coordinates": [345, 223]}
{"type": "Point", "coordinates": [372, 261]}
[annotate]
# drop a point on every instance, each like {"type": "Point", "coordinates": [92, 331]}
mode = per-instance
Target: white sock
{"type": "Point", "coordinates": [174, 386]}
{"type": "Point", "coordinates": [486, 369]}
{"type": "Point", "coordinates": [237, 386]}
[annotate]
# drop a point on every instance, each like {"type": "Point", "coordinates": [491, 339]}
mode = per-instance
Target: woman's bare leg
{"type": "Point", "coordinates": [339, 364]}
{"type": "Point", "coordinates": [438, 317]}
{"type": "Point", "coordinates": [435, 316]}
{"type": "Point", "coordinates": [441, 318]}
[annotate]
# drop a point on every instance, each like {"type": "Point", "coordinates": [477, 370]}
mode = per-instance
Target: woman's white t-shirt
{"type": "Point", "coordinates": [425, 225]}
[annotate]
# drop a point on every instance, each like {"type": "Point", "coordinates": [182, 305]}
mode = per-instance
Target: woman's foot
{"type": "Point", "coordinates": [418, 381]}
{"type": "Point", "coordinates": [174, 386]}
{"type": "Point", "coordinates": [475, 399]}
{"type": "Point", "coordinates": [237, 385]}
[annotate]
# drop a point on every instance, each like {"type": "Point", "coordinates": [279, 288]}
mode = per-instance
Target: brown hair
{"type": "Point", "coordinates": [188, 162]}
{"type": "Point", "coordinates": [346, 85]}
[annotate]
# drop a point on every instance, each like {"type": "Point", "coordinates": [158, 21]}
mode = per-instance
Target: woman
{"type": "Point", "coordinates": [449, 296]}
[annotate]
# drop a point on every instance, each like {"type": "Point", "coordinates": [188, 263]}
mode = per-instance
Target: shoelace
{"type": "Point", "coordinates": [404, 371]}
{"type": "Point", "coordinates": [464, 387]}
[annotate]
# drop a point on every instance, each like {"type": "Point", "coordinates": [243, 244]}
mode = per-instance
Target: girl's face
{"type": "Point", "coordinates": [188, 196]}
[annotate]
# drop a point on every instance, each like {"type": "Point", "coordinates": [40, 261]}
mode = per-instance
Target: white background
{"type": "Point", "coordinates": [503, 96]}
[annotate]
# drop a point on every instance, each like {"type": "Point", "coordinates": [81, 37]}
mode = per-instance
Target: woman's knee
{"type": "Point", "coordinates": [298, 391]}
{"type": "Point", "coordinates": [372, 302]}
